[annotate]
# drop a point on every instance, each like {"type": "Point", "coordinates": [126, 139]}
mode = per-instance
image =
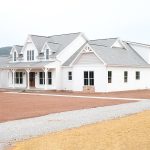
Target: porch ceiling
{"type": "Point", "coordinates": [19, 65]}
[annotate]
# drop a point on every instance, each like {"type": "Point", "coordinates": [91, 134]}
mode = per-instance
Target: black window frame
{"type": "Point", "coordinates": [125, 76]}
{"type": "Point", "coordinates": [49, 78]}
{"type": "Point", "coordinates": [89, 78]}
{"type": "Point", "coordinates": [137, 75]}
{"type": "Point", "coordinates": [18, 77]}
{"type": "Point", "coordinates": [70, 75]}
{"type": "Point", "coordinates": [109, 76]}
{"type": "Point", "coordinates": [41, 78]}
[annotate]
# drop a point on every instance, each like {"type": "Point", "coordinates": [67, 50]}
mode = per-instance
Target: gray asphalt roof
{"type": "Point", "coordinates": [54, 46]}
{"type": "Point", "coordinates": [5, 51]}
{"type": "Point", "coordinates": [119, 56]}
{"type": "Point", "coordinates": [18, 48]}
{"type": "Point", "coordinates": [104, 42]}
{"type": "Point", "coordinates": [25, 64]}
{"type": "Point", "coordinates": [69, 61]}
{"type": "Point", "coordinates": [113, 56]}
{"type": "Point", "coordinates": [63, 40]}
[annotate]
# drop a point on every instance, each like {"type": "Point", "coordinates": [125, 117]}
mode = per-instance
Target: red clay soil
{"type": "Point", "coordinates": [17, 106]}
{"type": "Point", "coordinates": [140, 94]}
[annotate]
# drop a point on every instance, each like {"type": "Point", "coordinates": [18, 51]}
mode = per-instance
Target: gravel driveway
{"type": "Point", "coordinates": [22, 129]}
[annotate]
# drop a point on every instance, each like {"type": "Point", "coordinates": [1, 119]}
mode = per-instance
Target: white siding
{"type": "Point", "coordinates": [132, 84]}
{"type": "Point", "coordinates": [66, 84]}
{"type": "Point", "coordinates": [23, 85]}
{"type": "Point", "coordinates": [87, 58]}
{"type": "Point", "coordinates": [30, 46]}
{"type": "Point", "coordinates": [4, 75]}
{"type": "Point", "coordinates": [100, 77]}
{"type": "Point", "coordinates": [42, 86]}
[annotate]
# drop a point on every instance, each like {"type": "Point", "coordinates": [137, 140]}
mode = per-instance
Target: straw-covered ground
{"type": "Point", "coordinates": [127, 133]}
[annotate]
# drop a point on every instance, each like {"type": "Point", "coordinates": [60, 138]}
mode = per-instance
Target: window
{"type": "Point", "coordinates": [30, 55]}
{"type": "Point", "coordinates": [15, 56]}
{"type": "Point", "coordinates": [19, 78]}
{"type": "Point", "coordinates": [42, 77]}
{"type": "Point", "coordinates": [50, 78]}
{"type": "Point", "coordinates": [125, 76]}
{"type": "Point", "coordinates": [88, 77]}
{"type": "Point", "coordinates": [137, 75]}
{"type": "Point", "coordinates": [47, 53]}
{"type": "Point", "coordinates": [69, 75]}
{"type": "Point", "coordinates": [109, 76]}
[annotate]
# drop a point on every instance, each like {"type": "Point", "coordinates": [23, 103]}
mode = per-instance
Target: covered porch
{"type": "Point", "coordinates": [32, 75]}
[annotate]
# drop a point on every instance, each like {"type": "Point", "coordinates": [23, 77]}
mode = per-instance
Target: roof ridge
{"type": "Point", "coordinates": [137, 43]}
{"type": "Point", "coordinates": [19, 45]}
{"type": "Point", "coordinates": [104, 39]}
{"type": "Point", "coordinates": [65, 34]}
{"type": "Point", "coordinates": [55, 34]}
{"type": "Point", "coordinates": [38, 35]}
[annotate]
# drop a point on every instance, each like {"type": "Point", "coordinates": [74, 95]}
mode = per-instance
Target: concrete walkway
{"type": "Point", "coordinates": [22, 129]}
{"type": "Point", "coordinates": [80, 96]}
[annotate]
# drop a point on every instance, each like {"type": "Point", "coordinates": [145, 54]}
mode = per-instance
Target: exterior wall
{"type": "Point", "coordinates": [49, 87]}
{"type": "Point", "coordinates": [71, 49]}
{"type": "Point", "coordinates": [12, 53]}
{"type": "Point", "coordinates": [29, 45]}
{"type": "Point", "coordinates": [132, 84]}
{"type": "Point", "coordinates": [66, 84]}
{"type": "Point", "coordinates": [4, 75]}
{"type": "Point", "coordinates": [100, 77]}
{"type": "Point", "coordinates": [10, 80]}
{"type": "Point", "coordinates": [87, 58]}
{"type": "Point", "coordinates": [143, 51]}
{"type": "Point", "coordinates": [89, 62]}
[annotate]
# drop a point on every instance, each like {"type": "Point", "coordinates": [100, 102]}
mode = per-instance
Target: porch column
{"type": "Point", "coordinates": [13, 71]}
{"type": "Point", "coordinates": [28, 78]}
{"type": "Point", "coordinates": [46, 78]}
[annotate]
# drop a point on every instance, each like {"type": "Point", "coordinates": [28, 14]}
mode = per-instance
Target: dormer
{"type": "Point", "coordinates": [49, 50]}
{"type": "Point", "coordinates": [118, 44]}
{"type": "Point", "coordinates": [30, 49]}
{"type": "Point", "coordinates": [15, 53]}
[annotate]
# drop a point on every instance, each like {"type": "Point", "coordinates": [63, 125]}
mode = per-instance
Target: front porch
{"type": "Point", "coordinates": [41, 79]}
{"type": "Point", "coordinates": [32, 75]}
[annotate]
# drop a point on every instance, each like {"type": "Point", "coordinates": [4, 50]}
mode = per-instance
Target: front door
{"type": "Point", "coordinates": [32, 79]}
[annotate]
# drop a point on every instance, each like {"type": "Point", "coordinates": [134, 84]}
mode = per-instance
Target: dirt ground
{"type": "Point", "coordinates": [128, 133]}
{"type": "Point", "coordinates": [17, 106]}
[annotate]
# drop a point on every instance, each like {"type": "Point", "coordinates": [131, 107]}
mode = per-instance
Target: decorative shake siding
{"type": "Point", "coordinates": [87, 58]}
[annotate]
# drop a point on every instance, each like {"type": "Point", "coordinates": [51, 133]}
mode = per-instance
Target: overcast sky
{"type": "Point", "coordinates": [127, 19]}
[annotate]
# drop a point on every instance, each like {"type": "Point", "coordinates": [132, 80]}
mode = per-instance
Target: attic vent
{"type": "Point", "coordinates": [87, 49]}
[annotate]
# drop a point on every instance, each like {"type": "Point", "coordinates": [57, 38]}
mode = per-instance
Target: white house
{"type": "Point", "coordinates": [74, 63]}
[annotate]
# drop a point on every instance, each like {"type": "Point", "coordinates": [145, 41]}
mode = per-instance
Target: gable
{"type": "Point", "coordinates": [87, 59]}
